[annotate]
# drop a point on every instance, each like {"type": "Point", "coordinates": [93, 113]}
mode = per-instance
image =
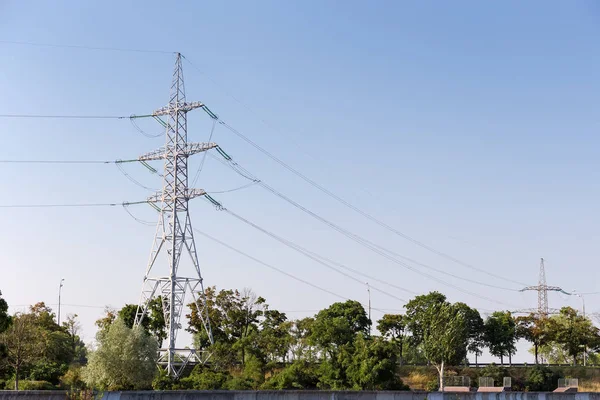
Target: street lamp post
{"type": "Point", "coordinates": [59, 290]}
{"type": "Point", "coordinates": [583, 309]}
{"type": "Point", "coordinates": [369, 291]}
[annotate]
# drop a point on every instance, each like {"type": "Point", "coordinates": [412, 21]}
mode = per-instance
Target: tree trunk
{"type": "Point", "coordinates": [401, 353]}
{"type": "Point", "coordinates": [17, 378]}
{"type": "Point", "coordinates": [476, 366]}
{"type": "Point", "coordinates": [442, 377]}
{"type": "Point", "coordinates": [509, 359]}
{"type": "Point", "coordinates": [535, 346]}
{"type": "Point", "coordinates": [501, 359]}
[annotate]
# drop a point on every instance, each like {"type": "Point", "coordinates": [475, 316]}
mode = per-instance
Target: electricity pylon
{"type": "Point", "coordinates": [174, 233]}
{"type": "Point", "coordinates": [542, 288]}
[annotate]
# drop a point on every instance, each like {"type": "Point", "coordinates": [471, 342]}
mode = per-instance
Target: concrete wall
{"type": "Point", "coordinates": [301, 395]}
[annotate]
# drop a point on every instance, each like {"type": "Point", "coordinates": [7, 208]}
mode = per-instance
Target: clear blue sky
{"type": "Point", "coordinates": [469, 125]}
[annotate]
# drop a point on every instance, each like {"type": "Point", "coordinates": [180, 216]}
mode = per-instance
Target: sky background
{"type": "Point", "coordinates": [470, 126]}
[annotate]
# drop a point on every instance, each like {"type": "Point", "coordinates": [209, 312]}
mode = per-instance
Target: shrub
{"type": "Point", "coordinates": [541, 379]}
{"type": "Point", "coordinates": [204, 378]}
{"type": "Point", "coordinates": [35, 385]}
{"type": "Point", "coordinates": [433, 386]}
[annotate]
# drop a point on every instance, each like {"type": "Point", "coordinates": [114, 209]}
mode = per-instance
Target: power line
{"type": "Point", "coordinates": [62, 116]}
{"type": "Point", "coordinates": [368, 244]}
{"type": "Point", "coordinates": [308, 254]}
{"type": "Point", "coordinates": [361, 212]}
{"type": "Point", "coordinates": [274, 268]}
{"type": "Point", "coordinates": [71, 205]}
{"type": "Point", "coordinates": [235, 189]}
{"type": "Point", "coordinates": [268, 265]}
{"type": "Point", "coordinates": [83, 47]}
{"type": "Point", "coordinates": [57, 162]}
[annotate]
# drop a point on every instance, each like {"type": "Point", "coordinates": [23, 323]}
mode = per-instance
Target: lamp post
{"type": "Point", "coordinates": [369, 291]}
{"type": "Point", "coordinates": [583, 309]}
{"type": "Point", "coordinates": [59, 290]}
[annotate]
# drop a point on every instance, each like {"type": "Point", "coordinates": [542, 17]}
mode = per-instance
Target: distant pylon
{"type": "Point", "coordinates": [174, 233]}
{"type": "Point", "coordinates": [542, 288]}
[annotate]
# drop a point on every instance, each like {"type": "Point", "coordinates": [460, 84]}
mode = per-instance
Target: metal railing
{"type": "Point", "coordinates": [568, 383]}
{"type": "Point", "coordinates": [457, 381]}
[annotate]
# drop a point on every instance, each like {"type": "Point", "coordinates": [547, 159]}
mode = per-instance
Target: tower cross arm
{"type": "Point", "coordinates": [183, 107]}
{"type": "Point", "coordinates": [187, 150]}
{"type": "Point", "coordinates": [556, 289]}
{"type": "Point", "coordinates": [188, 195]}
{"type": "Point", "coordinates": [529, 288]}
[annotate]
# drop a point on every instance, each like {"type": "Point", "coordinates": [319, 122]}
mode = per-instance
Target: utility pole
{"type": "Point", "coordinates": [583, 309]}
{"type": "Point", "coordinates": [59, 292]}
{"type": "Point", "coordinates": [174, 233]}
{"type": "Point", "coordinates": [369, 292]}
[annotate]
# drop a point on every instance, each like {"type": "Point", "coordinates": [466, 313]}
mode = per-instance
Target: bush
{"type": "Point", "coordinates": [34, 385]}
{"type": "Point", "coordinates": [298, 375]}
{"type": "Point", "coordinates": [541, 379]}
{"type": "Point", "coordinates": [162, 381]}
{"type": "Point", "coordinates": [496, 372]}
{"type": "Point", "coordinates": [72, 379]}
{"type": "Point", "coordinates": [204, 378]}
{"type": "Point", "coordinates": [433, 385]}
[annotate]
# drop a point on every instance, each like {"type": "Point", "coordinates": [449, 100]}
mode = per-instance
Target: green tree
{"type": "Point", "coordinates": [500, 334]}
{"type": "Point", "coordinates": [300, 374]}
{"type": "Point", "coordinates": [22, 342]}
{"type": "Point", "coordinates": [533, 329]}
{"type": "Point", "coordinates": [416, 311]}
{"type": "Point", "coordinates": [73, 328]}
{"type": "Point", "coordinates": [274, 338]}
{"type": "Point", "coordinates": [338, 325]}
{"type": "Point", "coordinates": [125, 359]}
{"type": "Point", "coordinates": [153, 322]}
{"type": "Point", "coordinates": [444, 335]}
{"type": "Point", "coordinates": [573, 332]}
{"type": "Point", "coordinates": [541, 379]}
{"type": "Point", "coordinates": [234, 316]}
{"type": "Point", "coordinates": [301, 347]}
{"type": "Point", "coordinates": [475, 328]}
{"type": "Point", "coordinates": [394, 327]}
{"type": "Point", "coordinates": [374, 365]}
{"type": "Point", "coordinates": [4, 316]}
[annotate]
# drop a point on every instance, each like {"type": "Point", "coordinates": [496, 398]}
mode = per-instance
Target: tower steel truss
{"type": "Point", "coordinates": [174, 233]}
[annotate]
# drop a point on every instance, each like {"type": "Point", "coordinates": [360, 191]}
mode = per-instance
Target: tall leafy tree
{"type": "Point", "coordinates": [23, 343]}
{"type": "Point", "coordinates": [234, 315]}
{"type": "Point", "coordinates": [573, 332]}
{"type": "Point", "coordinates": [500, 334]}
{"type": "Point", "coordinates": [338, 325]}
{"type": "Point", "coordinates": [475, 328]}
{"type": "Point", "coordinates": [4, 316]}
{"type": "Point", "coordinates": [394, 327]}
{"type": "Point", "coordinates": [153, 322]}
{"type": "Point", "coordinates": [416, 311]}
{"type": "Point", "coordinates": [534, 329]}
{"type": "Point", "coordinates": [125, 359]}
{"type": "Point", "coordinates": [444, 335]}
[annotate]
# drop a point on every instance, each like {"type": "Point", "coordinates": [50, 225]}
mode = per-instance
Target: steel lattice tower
{"type": "Point", "coordinates": [542, 288]}
{"type": "Point", "coordinates": [174, 233]}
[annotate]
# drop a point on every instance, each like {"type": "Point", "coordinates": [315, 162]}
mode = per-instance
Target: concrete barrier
{"type": "Point", "coordinates": [299, 395]}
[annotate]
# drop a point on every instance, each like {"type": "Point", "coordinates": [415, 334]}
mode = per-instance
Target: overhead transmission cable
{"type": "Point", "coordinates": [357, 239]}
{"type": "Point", "coordinates": [361, 240]}
{"type": "Point", "coordinates": [310, 255]}
{"type": "Point", "coordinates": [70, 205]}
{"type": "Point", "coordinates": [275, 268]}
{"type": "Point", "coordinates": [358, 210]}
{"type": "Point", "coordinates": [82, 47]}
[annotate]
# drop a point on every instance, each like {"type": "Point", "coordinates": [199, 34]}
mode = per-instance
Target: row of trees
{"type": "Point", "coordinates": [256, 347]}
{"type": "Point", "coordinates": [34, 346]}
